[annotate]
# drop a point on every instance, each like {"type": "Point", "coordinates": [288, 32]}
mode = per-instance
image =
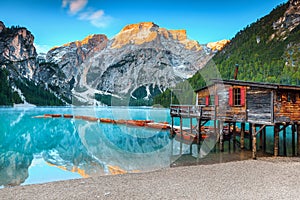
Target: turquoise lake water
{"type": "Point", "coordinates": [38, 150]}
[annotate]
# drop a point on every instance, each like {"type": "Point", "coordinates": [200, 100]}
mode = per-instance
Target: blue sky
{"type": "Point", "coordinates": [56, 22]}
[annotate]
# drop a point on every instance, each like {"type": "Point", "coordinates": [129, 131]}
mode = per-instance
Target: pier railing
{"type": "Point", "coordinates": [192, 111]}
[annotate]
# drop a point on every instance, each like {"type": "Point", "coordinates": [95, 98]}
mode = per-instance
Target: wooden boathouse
{"type": "Point", "coordinates": [233, 101]}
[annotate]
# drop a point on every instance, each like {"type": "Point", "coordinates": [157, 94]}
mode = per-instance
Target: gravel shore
{"type": "Point", "coordinates": [266, 178]}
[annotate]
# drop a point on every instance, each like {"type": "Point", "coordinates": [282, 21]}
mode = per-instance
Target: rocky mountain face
{"type": "Point", "coordinates": [16, 47]}
{"type": "Point", "coordinates": [141, 61]}
{"type": "Point", "coordinates": [140, 57]}
{"type": "Point", "coordinates": [18, 67]}
{"type": "Point", "coordinates": [288, 22]}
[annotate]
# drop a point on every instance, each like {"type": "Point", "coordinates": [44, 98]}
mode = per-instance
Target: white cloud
{"type": "Point", "coordinates": [74, 5]}
{"type": "Point", "coordinates": [96, 18]}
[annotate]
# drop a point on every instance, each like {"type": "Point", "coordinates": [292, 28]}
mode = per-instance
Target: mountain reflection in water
{"type": "Point", "coordinates": [87, 148]}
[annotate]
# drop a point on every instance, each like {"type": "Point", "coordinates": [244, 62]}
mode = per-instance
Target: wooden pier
{"type": "Point", "coordinates": [227, 104]}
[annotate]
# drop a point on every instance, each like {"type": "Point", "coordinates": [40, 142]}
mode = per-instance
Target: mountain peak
{"type": "Point", "coordinates": [142, 25]}
{"type": "Point", "coordinates": [145, 32]}
{"type": "Point", "coordinates": [89, 40]}
{"type": "Point", "coordinates": [135, 33]}
{"type": "Point", "coordinates": [219, 45]}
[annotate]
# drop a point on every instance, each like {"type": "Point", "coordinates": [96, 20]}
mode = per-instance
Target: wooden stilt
{"type": "Point", "coordinates": [191, 131]}
{"type": "Point", "coordinates": [250, 136]}
{"type": "Point", "coordinates": [230, 134]}
{"type": "Point", "coordinates": [284, 141]}
{"type": "Point", "coordinates": [276, 140]}
{"type": "Point", "coordinates": [234, 136]}
{"type": "Point", "coordinates": [172, 128]}
{"type": "Point", "coordinates": [293, 140]}
{"type": "Point", "coordinates": [298, 140]}
{"type": "Point", "coordinates": [218, 131]}
{"type": "Point", "coordinates": [191, 125]}
{"type": "Point", "coordinates": [199, 136]}
{"type": "Point", "coordinates": [181, 136]}
{"type": "Point", "coordinates": [254, 142]}
{"type": "Point", "coordinates": [222, 138]}
{"type": "Point", "coordinates": [242, 140]}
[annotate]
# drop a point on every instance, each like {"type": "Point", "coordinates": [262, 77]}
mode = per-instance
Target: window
{"type": "Point", "coordinates": [212, 100]}
{"type": "Point", "coordinates": [237, 96]}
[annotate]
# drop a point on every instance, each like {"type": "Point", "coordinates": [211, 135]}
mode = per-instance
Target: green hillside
{"type": "Point", "coordinates": [262, 52]}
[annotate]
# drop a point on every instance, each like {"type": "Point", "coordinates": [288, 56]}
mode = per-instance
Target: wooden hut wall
{"type": "Point", "coordinates": [225, 111]}
{"type": "Point", "coordinates": [202, 95]}
{"type": "Point", "coordinates": [204, 98]}
{"type": "Point", "coordinates": [286, 106]}
{"type": "Point", "coordinates": [259, 105]}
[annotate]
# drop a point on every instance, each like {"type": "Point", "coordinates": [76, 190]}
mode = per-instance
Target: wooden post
{"type": "Point", "coordinates": [172, 124]}
{"type": "Point", "coordinates": [218, 131]}
{"type": "Point", "coordinates": [284, 141]}
{"type": "Point", "coordinates": [199, 136]}
{"type": "Point", "coordinates": [222, 138]}
{"type": "Point", "coordinates": [298, 140]}
{"type": "Point", "coordinates": [250, 135]}
{"type": "Point", "coordinates": [276, 140]}
{"type": "Point", "coordinates": [254, 142]}
{"type": "Point", "coordinates": [230, 135]}
{"type": "Point", "coordinates": [293, 140]}
{"type": "Point", "coordinates": [242, 135]}
{"type": "Point", "coordinates": [181, 136]}
{"type": "Point", "coordinates": [191, 131]}
{"type": "Point", "coordinates": [234, 136]}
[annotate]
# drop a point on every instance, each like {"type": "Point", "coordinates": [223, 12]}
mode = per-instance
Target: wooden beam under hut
{"type": "Point", "coordinates": [254, 134]}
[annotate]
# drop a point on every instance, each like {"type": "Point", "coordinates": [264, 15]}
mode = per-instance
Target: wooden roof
{"type": "Point", "coordinates": [253, 84]}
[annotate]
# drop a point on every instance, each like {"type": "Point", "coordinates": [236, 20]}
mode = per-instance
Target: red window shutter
{"type": "Point", "coordinates": [243, 96]}
{"type": "Point", "coordinates": [217, 100]}
{"type": "Point", "coordinates": [207, 101]}
{"type": "Point", "coordinates": [230, 97]}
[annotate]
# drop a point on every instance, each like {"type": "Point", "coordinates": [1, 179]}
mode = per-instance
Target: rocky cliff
{"type": "Point", "coordinates": [18, 68]}
{"type": "Point", "coordinates": [16, 47]}
{"type": "Point", "coordinates": [140, 56]}
{"type": "Point", "coordinates": [288, 22]}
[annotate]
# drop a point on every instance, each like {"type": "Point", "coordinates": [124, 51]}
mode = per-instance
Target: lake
{"type": "Point", "coordinates": [38, 150]}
